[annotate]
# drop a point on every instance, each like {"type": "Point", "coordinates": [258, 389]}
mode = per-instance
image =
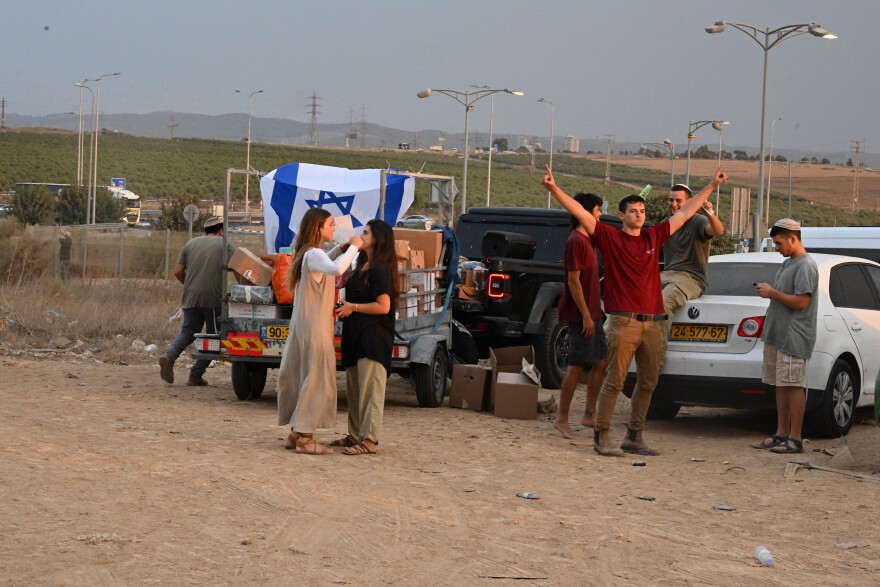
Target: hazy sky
{"type": "Point", "coordinates": [639, 69]}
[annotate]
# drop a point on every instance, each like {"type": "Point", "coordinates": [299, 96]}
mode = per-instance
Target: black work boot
{"type": "Point", "coordinates": [166, 367]}
{"type": "Point", "coordinates": [602, 444]}
{"type": "Point", "coordinates": [196, 380]}
{"type": "Point", "coordinates": [635, 444]}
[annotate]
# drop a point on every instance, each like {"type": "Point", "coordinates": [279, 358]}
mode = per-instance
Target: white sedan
{"type": "Point", "coordinates": [715, 349]}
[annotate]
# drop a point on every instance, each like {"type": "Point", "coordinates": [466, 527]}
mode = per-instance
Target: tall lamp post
{"type": "Point", "coordinates": [693, 127]}
{"type": "Point", "coordinates": [770, 171]}
{"type": "Point", "coordinates": [669, 147]}
{"type": "Point", "coordinates": [247, 185]}
{"type": "Point", "coordinates": [466, 99]}
{"type": "Point", "coordinates": [552, 118]}
{"type": "Point", "coordinates": [96, 132]}
{"type": "Point", "coordinates": [767, 39]}
{"type": "Point", "coordinates": [719, 126]}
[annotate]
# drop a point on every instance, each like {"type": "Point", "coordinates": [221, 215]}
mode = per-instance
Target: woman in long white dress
{"type": "Point", "coordinates": [307, 379]}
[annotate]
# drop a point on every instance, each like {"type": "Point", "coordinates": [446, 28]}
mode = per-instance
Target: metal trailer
{"type": "Point", "coordinates": [425, 345]}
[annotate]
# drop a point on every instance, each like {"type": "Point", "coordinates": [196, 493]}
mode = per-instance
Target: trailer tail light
{"type": "Point", "coordinates": [751, 327]}
{"type": "Point", "coordinates": [207, 344]}
{"type": "Point", "coordinates": [499, 284]}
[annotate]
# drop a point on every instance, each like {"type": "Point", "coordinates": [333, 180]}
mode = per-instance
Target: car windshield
{"type": "Point", "coordinates": [736, 279]}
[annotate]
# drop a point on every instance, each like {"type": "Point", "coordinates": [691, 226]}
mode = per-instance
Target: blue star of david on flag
{"type": "Point", "coordinates": [344, 203]}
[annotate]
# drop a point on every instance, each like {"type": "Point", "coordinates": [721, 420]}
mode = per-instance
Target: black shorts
{"type": "Point", "coordinates": [586, 351]}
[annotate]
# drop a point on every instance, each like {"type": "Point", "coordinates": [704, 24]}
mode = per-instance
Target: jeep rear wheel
{"type": "Point", "coordinates": [551, 350]}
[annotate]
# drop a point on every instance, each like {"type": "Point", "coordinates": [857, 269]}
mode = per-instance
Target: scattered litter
{"type": "Point", "coordinates": [809, 465]}
{"type": "Point", "coordinates": [528, 495]}
{"type": "Point", "coordinates": [724, 508]}
{"type": "Point", "coordinates": [763, 555]}
{"type": "Point", "coordinates": [845, 545]}
{"type": "Point", "coordinates": [175, 315]}
{"type": "Point", "coordinates": [698, 460]}
{"type": "Point", "coordinates": [138, 345]}
{"type": "Point", "coordinates": [54, 316]}
{"type": "Point", "coordinates": [150, 348]}
{"type": "Point", "coordinates": [646, 497]}
{"type": "Point", "coordinates": [842, 457]}
{"type": "Point", "coordinates": [639, 463]}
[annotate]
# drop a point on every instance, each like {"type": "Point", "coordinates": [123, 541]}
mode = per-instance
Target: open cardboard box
{"type": "Point", "coordinates": [513, 393]}
{"type": "Point", "coordinates": [249, 268]}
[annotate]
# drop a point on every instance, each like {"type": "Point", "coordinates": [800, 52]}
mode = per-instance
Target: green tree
{"type": "Point", "coordinates": [657, 206]}
{"type": "Point", "coordinates": [108, 208]}
{"type": "Point", "coordinates": [826, 161]}
{"type": "Point", "coordinates": [71, 205]}
{"type": "Point", "coordinates": [501, 143]}
{"type": "Point", "coordinates": [34, 205]}
{"type": "Point", "coordinates": [849, 162]}
{"type": "Point", "coordinates": [171, 217]}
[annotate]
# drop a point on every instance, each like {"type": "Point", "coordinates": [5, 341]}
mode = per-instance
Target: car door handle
{"type": "Point", "coordinates": [856, 326]}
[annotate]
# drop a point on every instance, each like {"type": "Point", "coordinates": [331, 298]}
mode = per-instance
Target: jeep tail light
{"type": "Point", "coordinates": [400, 351]}
{"type": "Point", "coordinates": [751, 327]}
{"type": "Point", "coordinates": [498, 285]}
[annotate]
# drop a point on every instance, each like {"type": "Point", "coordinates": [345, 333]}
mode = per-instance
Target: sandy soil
{"type": "Point", "coordinates": [110, 477]}
{"type": "Point", "coordinates": [824, 184]}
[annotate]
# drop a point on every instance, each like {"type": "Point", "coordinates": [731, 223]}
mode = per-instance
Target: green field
{"type": "Point", "coordinates": [163, 169]}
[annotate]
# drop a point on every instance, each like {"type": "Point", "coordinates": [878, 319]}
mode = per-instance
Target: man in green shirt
{"type": "Point", "coordinates": [199, 268]}
{"type": "Point", "coordinates": [685, 257]}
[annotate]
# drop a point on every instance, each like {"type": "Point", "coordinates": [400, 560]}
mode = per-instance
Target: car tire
{"type": "Point", "coordinates": [661, 409]}
{"type": "Point", "coordinates": [430, 379]}
{"type": "Point", "coordinates": [551, 350]}
{"type": "Point", "coordinates": [464, 348]}
{"type": "Point", "coordinates": [248, 380]}
{"type": "Point", "coordinates": [400, 224]}
{"type": "Point", "coordinates": [834, 416]}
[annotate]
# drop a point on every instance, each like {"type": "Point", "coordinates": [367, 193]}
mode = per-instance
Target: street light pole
{"type": "Point", "coordinates": [770, 171]}
{"type": "Point", "coordinates": [96, 132]}
{"type": "Point", "coordinates": [552, 121]}
{"type": "Point", "coordinates": [491, 147]}
{"type": "Point", "coordinates": [466, 99]}
{"type": "Point", "coordinates": [767, 39]}
{"type": "Point", "coordinates": [247, 185]}
{"type": "Point", "coordinates": [79, 145]}
{"type": "Point", "coordinates": [693, 127]}
{"type": "Point", "coordinates": [669, 147]}
{"type": "Point", "coordinates": [719, 126]}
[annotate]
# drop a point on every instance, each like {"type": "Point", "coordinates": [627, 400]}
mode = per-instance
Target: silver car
{"type": "Point", "coordinates": [416, 221]}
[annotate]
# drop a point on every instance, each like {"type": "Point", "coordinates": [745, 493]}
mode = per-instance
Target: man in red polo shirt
{"type": "Point", "coordinates": [634, 304]}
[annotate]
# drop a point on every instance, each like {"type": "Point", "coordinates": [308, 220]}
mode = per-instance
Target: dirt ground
{"type": "Point", "coordinates": [110, 477]}
{"type": "Point", "coordinates": [824, 184]}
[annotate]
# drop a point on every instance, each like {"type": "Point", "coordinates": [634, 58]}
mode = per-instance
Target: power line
{"type": "Point", "coordinates": [313, 125]}
{"type": "Point", "coordinates": [610, 140]}
{"type": "Point", "coordinates": [363, 126]}
{"type": "Point", "coordinates": [855, 146]}
{"type": "Point", "coordinates": [172, 126]}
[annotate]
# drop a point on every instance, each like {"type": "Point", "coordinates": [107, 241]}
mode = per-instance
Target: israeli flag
{"type": "Point", "coordinates": [292, 189]}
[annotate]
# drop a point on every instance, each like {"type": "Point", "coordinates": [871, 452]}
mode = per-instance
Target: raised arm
{"type": "Point", "coordinates": [587, 220]}
{"type": "Point", "coordinates": [715, 227]}
{"type": "Point", "coordinates": [320, 262]}
{"type": "Point", "coordinates": [690, 208]}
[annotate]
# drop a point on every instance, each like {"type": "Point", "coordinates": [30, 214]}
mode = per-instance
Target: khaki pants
{"type": "Point", "coordinates": [365, 390]}
{"type": "Point", "coordinates": [628, 338]}
{"type": "Point", "coordinates": [678, 288]}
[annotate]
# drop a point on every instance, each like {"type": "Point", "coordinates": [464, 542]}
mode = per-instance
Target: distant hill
{"type": "Point", "coordinates": [282, 131]}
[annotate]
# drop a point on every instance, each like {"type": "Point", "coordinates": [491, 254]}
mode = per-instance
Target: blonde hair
{"type": "Point", "coordinates": [307, 237]}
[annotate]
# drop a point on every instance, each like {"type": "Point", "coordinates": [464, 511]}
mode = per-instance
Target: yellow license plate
{"type": "Point", "coordinates": [698, 333]}
{"type": "Point", "coordinates": [274, 332]}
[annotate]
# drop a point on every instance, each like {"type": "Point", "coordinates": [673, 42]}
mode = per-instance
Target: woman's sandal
{"type": "Point", "coordinates": [291, 441]}
{"type": "Point", "coordinates": [360, 449]}
{"type": "Point", "coordinates": [769, 443]}
{"type": "Point", "coordinates": [345, 442]}
{"type": "Point", "coordinates": [307, 445]}
{"type": "Point", "coordinates": [790, 446]}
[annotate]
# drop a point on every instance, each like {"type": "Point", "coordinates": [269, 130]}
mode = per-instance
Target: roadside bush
{"type": "Point", "coordinates": [34, 205]}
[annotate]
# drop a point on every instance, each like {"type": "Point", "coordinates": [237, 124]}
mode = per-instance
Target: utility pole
{"type": "Point", "coordinates": [610, 140]}
{"type": "Point", "coordinates": [416, 142]}
{"type": "Point", "coordinates": [856, 147]}
{"type": "Point", "coordinates": [3, 114]}
{"type": "Point", "coordinates": [363, 126]}
{"type": "Point", "coordinates": [172, 126]}
{"type": "Point", "coordinates": [313, 126]}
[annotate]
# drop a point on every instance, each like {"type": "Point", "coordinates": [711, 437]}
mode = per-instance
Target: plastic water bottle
{"type": "Point", "coordinates": [763, 555]}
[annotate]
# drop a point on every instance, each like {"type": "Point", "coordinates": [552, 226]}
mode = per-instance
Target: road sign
{"type": "Point", "coordinates": [117, 182]}
{"type": "Point", "coordinates": [191, 213]}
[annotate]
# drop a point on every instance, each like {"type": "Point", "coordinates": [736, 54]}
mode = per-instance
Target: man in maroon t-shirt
{"type": "Point", "coordinates": [634, 303]}
{"type": "Point", "coordinates": [580, 308]}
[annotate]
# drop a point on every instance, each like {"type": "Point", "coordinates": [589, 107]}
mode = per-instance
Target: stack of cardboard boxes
{"type": "Point", "coordinates": [508, 388]}
{"type": "Point", "coordinates": [418, 257]}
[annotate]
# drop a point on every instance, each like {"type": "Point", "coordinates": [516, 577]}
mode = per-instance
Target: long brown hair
{"type": "Point", "coordinates": [307, 237]}
{"type": "Point", "coordinates": [382, 253]}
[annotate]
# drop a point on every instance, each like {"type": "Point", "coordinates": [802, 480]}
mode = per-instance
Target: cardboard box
{"type": "Point", "coordinates": [401, 248]}
{"type": "Point", "coordinates": [507, 360]}
{"type": "Point", "coordinates": [244, 310]}
{"type": "Point", "coordinates": [429, 241]}
{"type": "Point", "coordinates": [249, 268]}
{"type": "Point", "coordinates": [516, 397]}
{"type": "Point", "coordinates": [470, 386]}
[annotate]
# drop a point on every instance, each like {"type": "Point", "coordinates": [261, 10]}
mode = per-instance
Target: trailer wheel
{"type": "Point", "coordinates": [248, 380]}
{"type": "Point", "coordinates": [430, 379]}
